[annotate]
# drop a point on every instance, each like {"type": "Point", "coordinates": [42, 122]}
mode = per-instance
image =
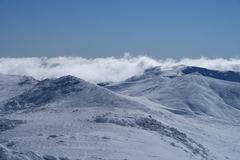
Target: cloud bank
{"type": "Point", "coordinates": [103, 69]}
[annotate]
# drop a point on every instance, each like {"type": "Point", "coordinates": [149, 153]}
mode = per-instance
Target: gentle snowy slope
{"type": "Point", "coordinates": [76, 133]}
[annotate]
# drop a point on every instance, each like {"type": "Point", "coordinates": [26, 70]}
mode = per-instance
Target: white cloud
{"type": "Point", "coordinates": [102, 69]}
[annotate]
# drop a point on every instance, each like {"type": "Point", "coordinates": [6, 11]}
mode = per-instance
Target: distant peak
{"type": "Point", "coordinates": [26, 80]}
{"type": "Point", "coordinates": [154, 70]}
{"type": "Point", "coordinates": [64, 80]}
{"type": "Point", "coordinates": [222, 75]}
{"type": "Point", "coordinates": [181, 70]}
{"type": "Point", "coordinates": [68, 78]}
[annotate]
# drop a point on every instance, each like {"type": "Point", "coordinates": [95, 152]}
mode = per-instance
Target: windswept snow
{"type": "Point", "coordinates": [67, 91]}
{"type": "Point", "coordinates": [6, 154]}
{"type": "Point", "coordinates": [14, 85]}
{"type": "Point", "coordinates": [186, 93]}
{"type": "Point", "coordinates": [184, 113]}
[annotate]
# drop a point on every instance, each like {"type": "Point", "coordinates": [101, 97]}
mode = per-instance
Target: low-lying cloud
{"type": "Point", "coordinates": [103, 69]}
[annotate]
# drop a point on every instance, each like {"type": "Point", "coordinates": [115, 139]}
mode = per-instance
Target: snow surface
{"type": "Point", "coordinates": [165, 115]}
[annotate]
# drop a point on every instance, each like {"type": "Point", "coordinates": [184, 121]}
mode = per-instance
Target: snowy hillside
{"type": "Point", "coordinates": [67, 91]}
{"type": "Point", "coordinates": [181, 114]}
{"type": "Point", "coordinates": [187, 90]}
{"type": "Point", "coordinates": [11, 85]}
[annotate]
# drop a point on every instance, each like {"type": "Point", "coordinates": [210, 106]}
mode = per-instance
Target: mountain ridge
{"type": "Point", "coordinates": [149, 116]}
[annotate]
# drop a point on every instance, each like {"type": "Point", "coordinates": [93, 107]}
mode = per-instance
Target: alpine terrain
{"type": "Point", "coordinates": [184, 113]}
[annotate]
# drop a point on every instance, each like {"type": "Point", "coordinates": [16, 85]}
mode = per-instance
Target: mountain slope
{"type": "Point", "coordinates": [185, 93]}
{"type": "Point", "coordinates": [226, 75]}
{"type": "Point", "coordinates": [141, 118]}
{"type": "Point", "coordinates": [184, 70]}
{"type": "Point", "coordinates": [11, 85]}
{"type": "Point", "coordinates": [67, 91]}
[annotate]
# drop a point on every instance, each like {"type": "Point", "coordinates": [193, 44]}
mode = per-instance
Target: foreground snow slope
{"type": "Point", "coordinates": [145, 117]}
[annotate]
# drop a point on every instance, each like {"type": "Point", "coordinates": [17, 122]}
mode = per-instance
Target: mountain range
{"type": "Point", "coordinates": [182, 113]}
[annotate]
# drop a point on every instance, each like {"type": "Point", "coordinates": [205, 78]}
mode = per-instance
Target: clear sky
{"type": "Point", "coordinates": [100, 28]}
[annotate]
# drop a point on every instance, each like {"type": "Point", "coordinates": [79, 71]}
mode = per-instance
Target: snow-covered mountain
{"type": "Point", "coordinates": [11, 85]}
{"type": "Point", "coordinates": [182, 113]}
{"type": "Point", "coordinates": [67, 91]}
{"type": "Point", "coordinates": [187, 90]}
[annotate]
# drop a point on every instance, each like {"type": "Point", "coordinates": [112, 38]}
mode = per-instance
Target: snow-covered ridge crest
{"type": "Point", "coordinates": [187, 90]}
{"type": "Point", "coordinates": [104, 69]}
{"type": "Point", "coordinates": [185, 70]}
{"type": "Point", "coordinates": [64, 91]}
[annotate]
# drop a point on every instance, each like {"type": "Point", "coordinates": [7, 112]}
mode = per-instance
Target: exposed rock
{"type": "Point", "coordinates": [52, 136]}
{"type": "Point", "coordinates": [105, 137]}
{"type": "Point", "coordinates": [6, 124]}
{"type": "Point", "coordinates": [49, 157]}
{"type": "Point", "coordinates": [63, 158]}
{"type": "Point", "coordinates": [6, 154]}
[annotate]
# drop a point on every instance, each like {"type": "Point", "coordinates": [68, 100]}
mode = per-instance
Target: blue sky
{"type": "Point", "coordinates": [101, 28]}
